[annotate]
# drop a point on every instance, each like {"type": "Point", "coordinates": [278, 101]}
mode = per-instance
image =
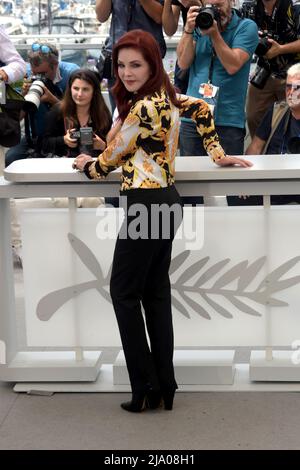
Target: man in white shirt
{"type": "Point", "coordinates": [12, 66]}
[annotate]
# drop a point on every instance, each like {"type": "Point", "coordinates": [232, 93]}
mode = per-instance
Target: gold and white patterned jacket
{"type": "Point", "coordinates": [147, 143]}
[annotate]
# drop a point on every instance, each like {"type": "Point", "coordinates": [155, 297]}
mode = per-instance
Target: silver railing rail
{"type": "Point", "coordinates": [81, 40]}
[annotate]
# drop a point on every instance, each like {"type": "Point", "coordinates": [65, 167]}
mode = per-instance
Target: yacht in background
{"type": "Point", "coordinates": [12, 25]}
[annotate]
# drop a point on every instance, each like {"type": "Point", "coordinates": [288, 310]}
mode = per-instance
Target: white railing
{"type": "Point", "coordinates": [21, 41]}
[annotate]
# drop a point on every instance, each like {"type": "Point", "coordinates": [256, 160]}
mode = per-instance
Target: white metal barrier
{"type": "Point", "coordinates": [239, 288]}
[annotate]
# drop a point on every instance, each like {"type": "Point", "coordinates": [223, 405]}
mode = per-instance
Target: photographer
{"type": "Point", "coordinates": [81, 121]}
{"type": "Point", "coordinates": [217, 45]}
{"type": "Point", "coordinates": [278, 22]}
{"type": "Point", "coordinates": [44, 66]}
{"type": "Point", "coordinates": [278, 133]}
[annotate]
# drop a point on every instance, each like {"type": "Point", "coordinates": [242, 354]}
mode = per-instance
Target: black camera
{"type": "Point", "coordinates": [261, 74]}
{"type": "Point", "coordinates": [206, 16]}
{"type": "Point", "coordinates": [75, 135]}
{"type": "Point", "coordinates": [104, 65]}
{"type": "Point", "coordinates": [84, 135]}
{"type": "Point", "coordinates": [263, 68]}
{"type": "Point", "coordinates": [264, 45]}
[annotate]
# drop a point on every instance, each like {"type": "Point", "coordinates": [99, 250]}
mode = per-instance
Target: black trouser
{"type": "Point", "coordinates": [140, 275]}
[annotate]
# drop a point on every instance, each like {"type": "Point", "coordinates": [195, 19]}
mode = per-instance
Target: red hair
{"type": "Point", "coordinates": [146, 44]}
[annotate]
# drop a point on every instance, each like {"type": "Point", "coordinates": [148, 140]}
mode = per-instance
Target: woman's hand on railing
{"type": "Point", "coordinates": [229, 161]}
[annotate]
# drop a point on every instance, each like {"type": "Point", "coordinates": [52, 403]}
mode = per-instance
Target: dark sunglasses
{"type": "Point", "coordinates": [292, 86]}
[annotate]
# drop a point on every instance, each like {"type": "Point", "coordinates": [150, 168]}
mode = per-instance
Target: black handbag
{"type": "Point", "coordinates": [104, 65]}
{"type": "Point", "coordinates": [10, 131]}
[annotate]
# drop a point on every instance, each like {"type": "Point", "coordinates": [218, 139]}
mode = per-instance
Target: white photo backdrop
{"type": "Point", "coordinates": [227, 266]}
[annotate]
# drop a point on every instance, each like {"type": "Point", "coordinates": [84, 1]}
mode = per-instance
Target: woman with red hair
{"type": "Point", "coordinates": [144, 143]}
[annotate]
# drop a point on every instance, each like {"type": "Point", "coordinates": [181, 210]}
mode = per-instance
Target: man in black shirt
{"type": "Point", "coordinates": [279, 19]}
{"type": "Point", "coordinates": [284, 131]}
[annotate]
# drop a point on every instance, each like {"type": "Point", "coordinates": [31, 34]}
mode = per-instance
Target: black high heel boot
{"type": "Point", "coordinates": [168, 398]}
{"type": "Point", "coordinates": [137, 403]}
{"type": "Point", "coordinates": [153, 399]}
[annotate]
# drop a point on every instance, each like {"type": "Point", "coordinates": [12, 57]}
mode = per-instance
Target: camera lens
{"type": "Point", "coordinates": [262, 47]}
{"type": "Point", "coordinates": [260, 77]}
{"type": "Point", "coordinates": [206, 17]}
{"type": "Point", "coordinates": [204, 20]}
{"type": "Point", "coordinates": [34, 94]}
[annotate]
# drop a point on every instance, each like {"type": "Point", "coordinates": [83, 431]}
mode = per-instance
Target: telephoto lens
{"type": "Point", "coordinates": [35, 92]}
{"type": "Point", "coordinates": [206, 17]}
{"type": "Point", "coordinates": [263, 46]}
{"type": "Point", "coordinates": [260, 76]}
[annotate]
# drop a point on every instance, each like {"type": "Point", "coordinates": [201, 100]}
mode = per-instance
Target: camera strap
{"type": "Point", "coordinates": [284, 145]}
{"type": "Point", "coordinates": [266, 21]}
{"type": "Point", "coordinates": [208, 91]}
{"type": "Point", "coordinates": [30, 129]}
{"type": "Point", "coordinates": [214, 55]}
{"type": "Point", "coordinates": [211, 65]}
{"type": "Point", "coordinates": [281, 111]}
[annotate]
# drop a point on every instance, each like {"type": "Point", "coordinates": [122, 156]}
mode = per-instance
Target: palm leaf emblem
{"type": "Point", "coordinates": [244, 273]}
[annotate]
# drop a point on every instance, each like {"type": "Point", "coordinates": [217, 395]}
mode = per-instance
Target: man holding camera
{"type": "Point", "coordinates": [45, 86]}
{"type": "Point", "coordinates": [279, 48]}
{"type": "Point", "coordinates": [217, 45]}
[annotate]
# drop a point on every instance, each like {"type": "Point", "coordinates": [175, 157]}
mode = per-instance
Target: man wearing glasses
{"type": "Point", "coordinates": [279, 26]}
{"type": "Point", "coordinates": [279, 133]}
{"type": "Point", "coordinates": [43, 62]}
